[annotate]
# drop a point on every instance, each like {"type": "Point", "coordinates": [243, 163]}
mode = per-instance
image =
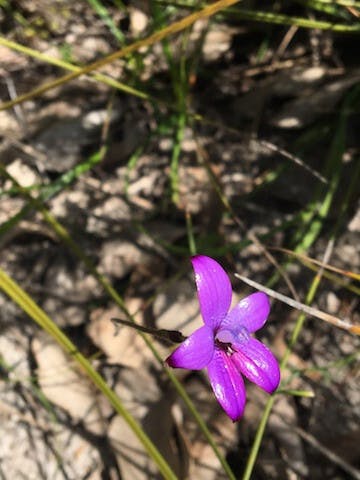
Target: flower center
{"type": "Point", "coordinates": [228, 340]}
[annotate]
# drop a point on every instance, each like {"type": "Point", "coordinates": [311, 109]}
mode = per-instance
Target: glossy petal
{"type": "Point", "coordinates": [254, 360]}
{"type": "Point", "coordinates": [251, 312]}
{"type": "Point", "coordinates": [228, 384]}
{"type": "Point", "coordinates": [214, 290]}
{"type": "Point", "coordinates": [195, 352]}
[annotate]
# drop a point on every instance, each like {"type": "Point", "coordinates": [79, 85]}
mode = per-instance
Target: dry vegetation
{"type": "Point", "coordinates": [237, 135]}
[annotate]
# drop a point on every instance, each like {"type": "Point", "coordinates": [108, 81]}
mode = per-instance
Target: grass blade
{"type": "Point", "coordinates": [66, 238]}
{"type": "Point", "coordinates": [175, 27]}
{"type": "Point", "coordinates": [25, 302]}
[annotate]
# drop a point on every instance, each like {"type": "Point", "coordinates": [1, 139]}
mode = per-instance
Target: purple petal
{"type": "Point", "coordinates": [214, 290]}
{"type": "Point", "coordinates": [257, 363]}
{"type": "Point", "coordinates": [195, 352]}
{"type": "Point", "coordinates": [228, 384]}
{"type": "Point", "coordinates": [251, 312]}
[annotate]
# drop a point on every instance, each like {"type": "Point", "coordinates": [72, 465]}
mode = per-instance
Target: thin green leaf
{"type": "Point", "coordinates": [25, 302]}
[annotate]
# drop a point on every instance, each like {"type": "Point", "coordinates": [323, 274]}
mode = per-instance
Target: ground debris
{"type": "Point", "coordinates": [235, 123]}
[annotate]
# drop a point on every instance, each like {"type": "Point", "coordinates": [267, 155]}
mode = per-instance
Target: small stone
{"type": "Point", "coordinates": [178, 308]}
{"type": "Point", "coordinates": [217, 43]}
{"type": "Point", "coordinates": [65, 386]}
{"type": "Point", "coordinates": [354, 225]}
{"type": "Point", "coordinates": [121, 344]}
{"type": "Point", "coordinates": [138, 21]}
{"type": "Point", "coordinates": [22, 173]}
{"type": "Point", "coordinates": [333, 303]}
{"type": "Point", "coordinates": [119, 258]}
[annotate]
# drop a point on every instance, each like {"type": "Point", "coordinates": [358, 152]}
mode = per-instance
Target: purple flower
{"type": "Point", "coordinates": [224, 344]}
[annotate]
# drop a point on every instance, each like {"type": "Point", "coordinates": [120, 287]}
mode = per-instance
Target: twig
{"type": "Point", "coordinates": [173, 336]}
{"type": "Point", "coordinates": [205, 162]}
{"type": "Point", "coordinates": [17, 108]}
{"type": "Point", "coordinates": [289, 35]}
{"type": "Point", "coordinates": [333, 457]}
{"type": "Point", "coordinates": [176, 27]}
{"type": "Point", "coordinates": [326, 266]}
{"type": "Point", "coordinates": [293, 158]}
{"type": "Point", "coordinates": [313, 312]}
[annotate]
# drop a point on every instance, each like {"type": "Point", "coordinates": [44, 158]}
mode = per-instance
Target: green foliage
{"type": "Point", "coordinates": [173, 106]}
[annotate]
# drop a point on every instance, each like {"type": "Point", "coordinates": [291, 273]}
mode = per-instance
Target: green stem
{"type": "Point", "coordinates": [192, 409]}
{"type": "Point", "coordinates": [258, 439]}
{"type": "Point", "coordinates": [174, 164]}
{"type": "Point", "coordinates": [270, 402]}
{"type": "Point", "coordinates": [63, 234]}
{"type": "Point", "coordinates": [276, 18]}
{"type": "Point", "coordinates": [279, 19]}
{"type": "Point", "coordinates": [119, 301]}
{"type": "Point", "coordinates": [334, 163]}
{"type": "Point", "coordinates": [172, 29]}
{"type": "Point", "coordinates": [103, 13]}
{"type": "Point", "coordinates": [21, 298]}
{"type": "Point", "coordinates": [111, 82]}
{"type": "Point", "coordinates": [190, 234]}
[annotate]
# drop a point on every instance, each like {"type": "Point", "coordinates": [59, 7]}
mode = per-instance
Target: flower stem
{"type": "Point", "coordinates": [64, 235]}
{"type": "Point", "coordinates": [270, 403]}
{"type": "Point", "coordinates": [24, 301]}
{"type": "Point", "coordinates": [190, 233]}
{"type": "Point", "coordinates": [258, 439]}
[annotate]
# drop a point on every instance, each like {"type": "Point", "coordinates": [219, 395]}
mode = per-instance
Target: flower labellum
{"type": "Point", "coordinates": [224, 344]}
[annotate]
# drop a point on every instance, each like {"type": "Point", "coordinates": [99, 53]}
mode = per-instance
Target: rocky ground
{"type": "Point", "coordinates": [55, 425]}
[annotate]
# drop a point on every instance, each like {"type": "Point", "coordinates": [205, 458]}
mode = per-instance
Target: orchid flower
{"type": "Point", "coordinates": [224, 344]}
